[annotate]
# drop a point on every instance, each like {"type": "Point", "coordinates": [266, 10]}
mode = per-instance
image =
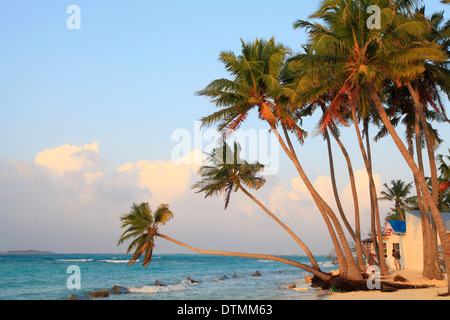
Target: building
{"type": "Point", "coordinates": [394, 238]}
{"type": "Point", "coordinates": [406, 237]}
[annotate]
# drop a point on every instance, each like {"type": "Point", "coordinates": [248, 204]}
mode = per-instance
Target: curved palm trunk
{"type": "Point", "coordinates": [357, 234]}
{"type": "Point", "coordinates": [320, 274]}
{"type": "Point", "coordinates": [445, 241]}
{"type": "Point", "coordinates": [293, 235]}
{"type": "Point", "coordinates": [400, 214]}
{"type": "Point", "coordinates": [424, 222]}
{"type": "Point", "coordinates": [374, 205]}
{"type": "Point", "coordinates": [373, 223]}
{"type": "Point", "coordinates": [373, 230]}
{"type": "Point", "coordinates": [339, 254]}
{"type": "Point", "coordinates": [425, 215]}
{"type": "Point", "coordinates": [382, 261]}
{"type": "Point", "coordinates": [426, 131]}
{"type": "Point", "coordinates": [434, 263]}
{"type": "Point", "coordinates": [356, 237]}
{"type": "Point", "coordinates": [347, 260]}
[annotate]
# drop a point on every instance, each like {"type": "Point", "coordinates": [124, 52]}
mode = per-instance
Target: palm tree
{"type": "Point", "coordinates": [320, 274]}
{"type": "Point", "coordinates": [227, 172]}
{"type": "Point", "coordinates": [356, 61]}
{"type": "Point", "coordinates": [401, 107]}
{"type": "Point", "coordinates": [293, 70]}
{"type": "Point", "coordinates": [256, 85]}
{"type": "Point", "coordinates": [142, 226]}
{"type": "Point", "coordinates": [425, 90]}
{"type": "Point", "coordinates": [399, 193]}
{"type": "Point", "coordinates": [143, 229]}
{"type": "Point", "coordinates": [360, 60]}
{"type": "Point", "coordinates": [335, 64]}
{"type": "Point", "coordinates": [424, 84]}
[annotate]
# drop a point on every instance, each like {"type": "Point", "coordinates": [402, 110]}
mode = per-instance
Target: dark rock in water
{"type": "Point", "coordinates": [160, 284]}
{"type": "Point", "coordinates": [191, 280]}
{"type": "Point", "coordinates": [234, 276]}
{"type": "Point", "coordinates": [99, 294]}
{"type": "Point", "coordinates": [293, 286]}
{"type": "Point", "coordinates": [120, 289]}
{"type": "Point", "coordinates": [225, 277]}
{"type": "Point", "coordinates": [78, 297]}
{"type": "Point", "coordinates": [257, 274]}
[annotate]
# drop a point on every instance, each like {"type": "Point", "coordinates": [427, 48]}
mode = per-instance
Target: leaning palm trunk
{"type": "Point", "coordinates": [373, 229]}
{"type": "Point", "coordinates": [425, 215]}
{"type": "Point", "coordinates": [382, 261]}
{"type": "Point", "coordinates": [347, 263]}
{"type": "Point", "coordinates": [373, 223]}
{"type": "Point", "coordinates": [339, 254]}
{"type": "Point", "coordinates": [293, 235]}
{"type": "Point", "coordinates": [320, 274]}
{"type": "Point", "coordinates": [334, 187]}
{"type": "Point", "coordinates": [400, 213]}
{"type": "Point", "coordinates": [434, 264]}
{"type": "Point", "coordinates": [426, 131]}
{"type": "Point", "coordinates": [356, 235]}
{"type": "Point", "coordinates": [445, 241]}
{"type": "Point", "coordinates": [424, 222]}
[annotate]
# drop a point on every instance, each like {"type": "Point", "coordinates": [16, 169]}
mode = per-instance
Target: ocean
{"type": "Point", "coordinates": [59, 276]}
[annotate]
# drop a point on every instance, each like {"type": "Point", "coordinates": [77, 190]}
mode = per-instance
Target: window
{"type": "Point", "coordinates": [396, 246]}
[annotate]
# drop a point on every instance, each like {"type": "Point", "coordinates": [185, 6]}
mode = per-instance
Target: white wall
{"type": "Point", "coordinates": [414, 242]}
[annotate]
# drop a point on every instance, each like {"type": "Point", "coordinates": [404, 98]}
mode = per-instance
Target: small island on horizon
{"type": "Point", "coordinates": [26, 252]}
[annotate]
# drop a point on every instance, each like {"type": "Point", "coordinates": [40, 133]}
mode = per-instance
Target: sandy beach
{"type": "Point", "coordinates": [413, 277]}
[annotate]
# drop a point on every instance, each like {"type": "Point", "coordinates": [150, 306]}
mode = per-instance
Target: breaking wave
{"type": "Point", "coordinates": [116, 261]}
{"type": "Point", "coordinates": [326, 264]}
{"type": "Point", "coordinates": [184, 285]}
{"type": "Point", "coordinates": [75, 260]}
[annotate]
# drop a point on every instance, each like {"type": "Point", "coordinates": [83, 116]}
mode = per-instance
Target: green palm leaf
{"type": "Point", "coordinates": [141, 225]}
{"type": "Point", "coordinates": [225, 171]}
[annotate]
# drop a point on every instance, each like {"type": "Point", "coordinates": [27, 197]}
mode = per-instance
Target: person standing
{"type": "Point", "coordinates": [397, 256]}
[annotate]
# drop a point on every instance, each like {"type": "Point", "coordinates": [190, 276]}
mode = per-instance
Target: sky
{"type": "Point", "coordinates": [104, 115]}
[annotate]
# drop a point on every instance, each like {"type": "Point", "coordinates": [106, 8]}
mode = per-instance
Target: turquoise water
{"type": "Point", "coordinates": [45, 277]}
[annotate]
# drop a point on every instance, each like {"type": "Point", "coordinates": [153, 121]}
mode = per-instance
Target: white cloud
{"type": "Point", "coordinates": [294, 199]}
{"type": "Point", "coordinates": [69, 158]}
{"type": "Point", "coordinates": [164, 179]}
{"type": "Point", "coordinates": [67, 201]}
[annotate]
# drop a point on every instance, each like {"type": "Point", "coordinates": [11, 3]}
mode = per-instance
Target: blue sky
{"type": "Point", "coordinates": [126, 81]}
{"type": "Point", "coordinates": [129, 72]}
